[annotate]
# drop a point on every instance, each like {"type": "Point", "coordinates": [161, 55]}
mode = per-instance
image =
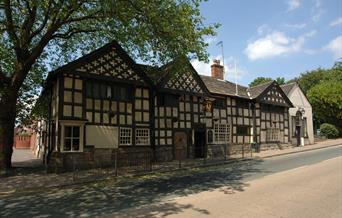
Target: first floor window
{"type": "Point", "coordinates": [242, 130]}
{"type": "Point", "coordinates": [72, 141]}
{"type": "Point", "coordinates": [221, 133]}
{"type": "Point", "coordinates": [125, 136]}
{"type": "Point", "coordinates": [142, 136]}
{"type": "Point", "coordinates": [272, 134]}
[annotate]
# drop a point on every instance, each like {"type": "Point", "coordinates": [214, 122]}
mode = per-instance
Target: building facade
{"type": "Point", "coordinates": [105, 102]}
{"type": "Point", "coordinates": [301, 123]}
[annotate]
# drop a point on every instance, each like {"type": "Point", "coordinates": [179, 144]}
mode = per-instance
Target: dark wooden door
{"type": "Point", "coordinates": [199, 143]}
{"type": "Point", "coordinates": [181, 145]}
{"type": "Point", "coordinates": [298, 135]}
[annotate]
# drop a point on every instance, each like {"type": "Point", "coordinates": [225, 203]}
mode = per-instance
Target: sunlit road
{"type": "Point", "coordinates": [307, 184]}
{"type": "Point", "coordinates": [313, 191]}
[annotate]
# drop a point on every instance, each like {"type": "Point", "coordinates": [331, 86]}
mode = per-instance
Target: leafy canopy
{"type": "Point", "coordinates": [261, 80]}
{"type": "Point", "coordinates": [37, 36]}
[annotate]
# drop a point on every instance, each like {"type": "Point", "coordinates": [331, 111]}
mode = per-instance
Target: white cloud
{"type": "Point", "coordinates": [205, 69]}
{"type": "Point", "coordinates": [276, 44]}
{"type": "Point", "coordinates": [263, 29]}
{"type": "Point", "coordinates": [317, 11]}
{"type": "Point", "coordinates": [293, 4]}
{"type": "Point", "coordinates": [296, 25]}
{"type": "Point", "coordinates": [335, 46]}
{"type": "Point", "coordinates": [336, 22]}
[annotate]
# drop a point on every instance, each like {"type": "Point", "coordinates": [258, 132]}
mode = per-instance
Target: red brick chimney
{"type": "Point", "coordinates": [217, 70]}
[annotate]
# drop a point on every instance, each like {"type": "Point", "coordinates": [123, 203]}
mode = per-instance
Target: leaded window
{"type": "Point", "coordinates": [272, 134]}
{"type": "Point", "coordinates": [221, 133]}
{"type": "Point", "coordinates": [142, 136]}
{"type": "Point", "coordinates": [220, 103]}
{"type": "Point", "coordinates": [125, 136]}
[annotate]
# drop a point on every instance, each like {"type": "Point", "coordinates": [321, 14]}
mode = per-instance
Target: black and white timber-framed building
{"type": "Point", "coordinates": [104, 101]}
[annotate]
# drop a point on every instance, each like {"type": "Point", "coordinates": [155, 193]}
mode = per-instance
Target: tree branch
{"type": "Point", "coordinates": [10, 26]}
{"type": "Point", "coordinates": [72, 32]}
{"type": "Point", "coordinates": [43, 24]}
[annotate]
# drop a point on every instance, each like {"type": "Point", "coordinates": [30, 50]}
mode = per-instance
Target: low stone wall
{"type": "Point", "coordinates": [163, 153]}
{"type": "Point", "coordinates": [99, 158]}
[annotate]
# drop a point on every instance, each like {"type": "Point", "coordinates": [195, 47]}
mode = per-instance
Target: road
{"type": "Point", "coordinates": [305, 184]}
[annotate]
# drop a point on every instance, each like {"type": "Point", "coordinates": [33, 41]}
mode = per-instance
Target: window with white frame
{"type": "Point", "coordinates": [221, 133]}
{"type": "Point", "coordinates": [142, 136]}
{"type": "Point", "coordinates": [72, 138]}
{"type": "Point", "coordinates": [125, 136]}
{"type": "Point", "coordinates": [272, 134]}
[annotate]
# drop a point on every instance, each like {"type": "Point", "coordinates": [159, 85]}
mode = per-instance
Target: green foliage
{"type": "Point", "coordinates": [312, 78]}
{"type": "Point", "coordinates": [329, 130]}
{"type": "Point", "coordinates": [326, 100]}
{"type": "Point", "coordinates": [280, 80]}
{"type": "Point", "coordinates": [260, 80]}
{"type": "Point", "coordinates": [37, 36]}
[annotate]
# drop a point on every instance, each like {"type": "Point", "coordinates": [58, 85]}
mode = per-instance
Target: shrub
{"type": "Point", "coordinates": [329, 130]}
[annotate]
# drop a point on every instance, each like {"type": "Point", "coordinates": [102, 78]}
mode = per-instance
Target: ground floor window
{"type": "Point", "coordinates": [272, 134]}
{"type": "Point", "coordinates": [72, 138]}
{"type": "Point", "coordinates": [125, 136]}
{"type": "Point", "coordinates": [142, 136]}
{"type": "Point", "coordinates": [221, 133]}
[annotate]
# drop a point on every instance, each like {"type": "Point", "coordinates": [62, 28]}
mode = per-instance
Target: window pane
{"type": "Point", "coordinates": [76, 132]}
{"type": "Point", "coordinates": [67, 131]}
{"type": "Point", "coordinates": [67, 144]}
{"type": "Point", "coordinates": [103, 91]}
{"type": "Point", "coordinates": [89, 90]}
{"type": "Point", "coordinates": [75, 144]}
{"type": "Point", "coordinates": [96, 90]}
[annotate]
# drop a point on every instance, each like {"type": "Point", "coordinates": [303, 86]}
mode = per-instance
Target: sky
{"type": "Point", "coordinates": [273, 38]}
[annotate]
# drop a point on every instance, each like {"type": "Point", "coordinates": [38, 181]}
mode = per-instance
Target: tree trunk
{"type": "Point", "coordinates": [7, 123]}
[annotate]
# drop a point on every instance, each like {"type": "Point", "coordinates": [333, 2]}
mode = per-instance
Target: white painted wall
{"type": "Point", "coordinates": [299, 100]}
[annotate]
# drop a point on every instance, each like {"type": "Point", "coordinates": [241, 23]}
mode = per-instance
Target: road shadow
{"type": "Point", "coordinates": [101, 200]}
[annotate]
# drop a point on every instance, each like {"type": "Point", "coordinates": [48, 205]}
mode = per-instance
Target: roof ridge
{"type": "Point", "coordinates": [287, 84]}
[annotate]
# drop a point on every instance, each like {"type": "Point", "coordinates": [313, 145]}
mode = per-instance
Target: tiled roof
{"type": "Point", "coordinates": [224, 87]}
{"type": "Point", "coordinates": [288, 87]}
{"type": "Point", "coordinates": [255, 91]}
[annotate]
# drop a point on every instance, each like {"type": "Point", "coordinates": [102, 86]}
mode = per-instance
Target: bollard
{"type": "Point", "coordinates": [243, 151]}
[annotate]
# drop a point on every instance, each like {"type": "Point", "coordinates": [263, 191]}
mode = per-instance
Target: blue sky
{"type": "Point", "coordinates": [273, 38]}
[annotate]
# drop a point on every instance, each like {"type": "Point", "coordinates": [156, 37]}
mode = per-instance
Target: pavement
{"type": "Point", "coordinates": [306, 182]}
{"type": "Point", "coordinates": [28, 179]}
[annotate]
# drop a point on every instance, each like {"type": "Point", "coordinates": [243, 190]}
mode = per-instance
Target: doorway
{"type": "Point", "coordinates": [181, 145]}
{"type": "Point", "coordinates": [199, 143]}
{"type": "Point", "coordinates": [298, 135]}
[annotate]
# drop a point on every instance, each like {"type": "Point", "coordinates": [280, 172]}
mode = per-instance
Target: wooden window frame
{"type": "Point", "coordinates": [122, 135]}
{"type": "Point", "coordinates": [140, 133]}
{"type": "Point", "coordinates": [81, 135]}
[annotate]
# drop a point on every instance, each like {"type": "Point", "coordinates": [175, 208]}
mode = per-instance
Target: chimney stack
{"type": "Point", "coordinates": [217, 70]}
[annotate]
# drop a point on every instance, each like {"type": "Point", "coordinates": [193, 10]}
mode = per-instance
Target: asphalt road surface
{"type": "Point", "coordinates": [307, 184]}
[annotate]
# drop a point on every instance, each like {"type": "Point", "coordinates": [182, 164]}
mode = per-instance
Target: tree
{"type": "Point", "coordinates": [326, 101]}
{"type": "Point", "coordinates": [280, 80]}
{"type": "Point", "coordinates": [260, 80]}
{"type": "Point", "coordinates": [35, 34]}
